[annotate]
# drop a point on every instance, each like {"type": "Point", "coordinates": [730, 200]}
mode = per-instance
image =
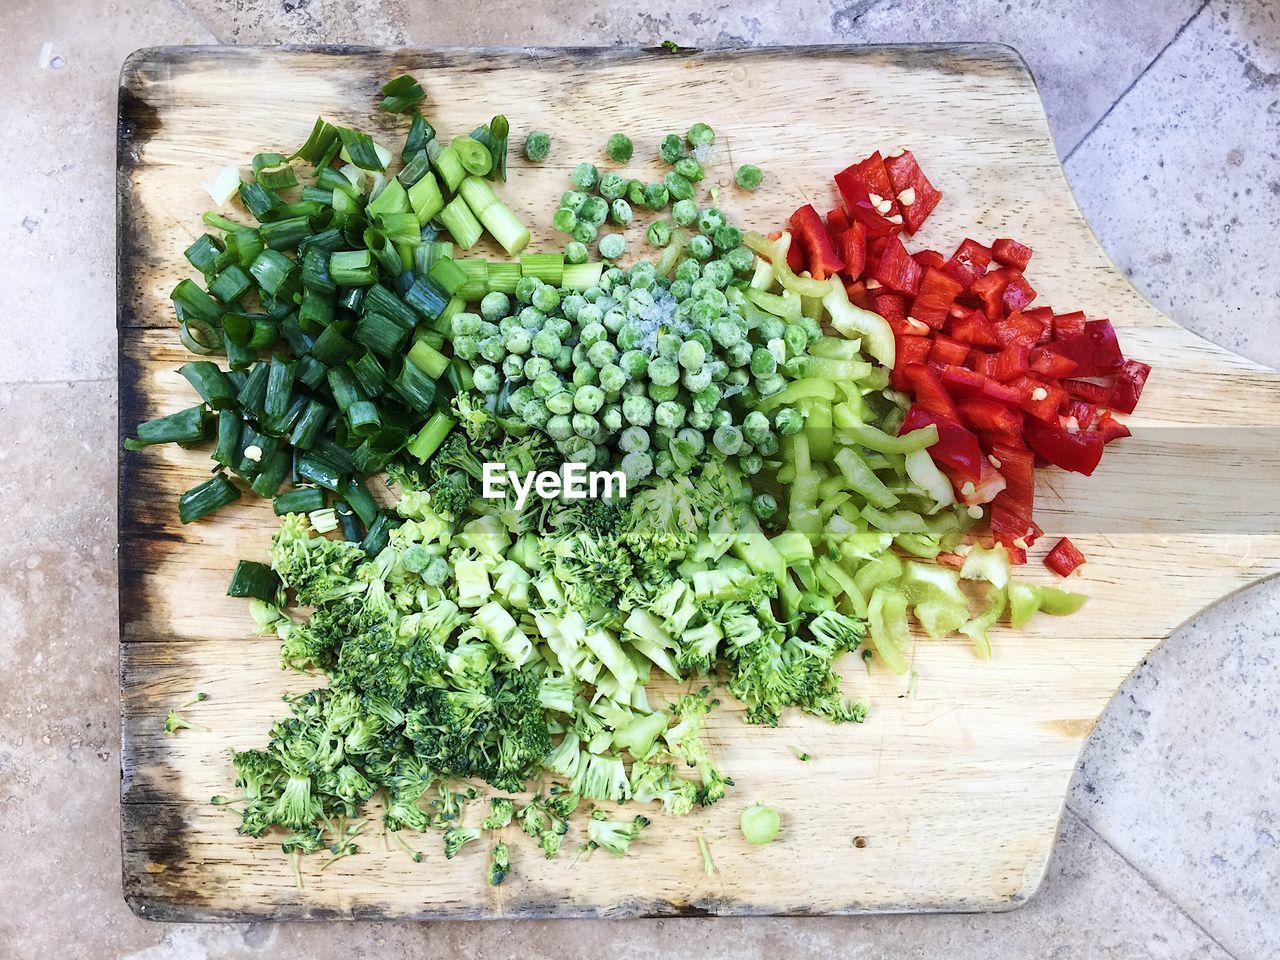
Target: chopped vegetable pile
{"type": "Point", "coordinates": [822, 437]}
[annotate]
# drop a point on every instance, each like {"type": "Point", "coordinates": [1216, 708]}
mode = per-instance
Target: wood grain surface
{"type": "Point", "coordinates": [954, 794]}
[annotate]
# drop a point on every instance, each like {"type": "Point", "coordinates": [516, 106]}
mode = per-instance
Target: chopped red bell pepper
{"type": "Point", "coordinates": [858, 295]}
{"type": "Point", "coordinates": [1068, 325]}
{"type": "Point", "coordinates": [973, 328]}
{"type": "Point", "coordinates": [808, 230]}
{"type": "Point", "coordinates": [1012, 362]}
{"type": "Point", "coordinates": [1109, 428]}
{"type": "Point", "coordinates": [1040, 399]}
{"type": "Point", "coordinates": [795, 255]}
{"type": "Point", "coordinates": [896, 270]}
{"type": "Point", "coordinates": [934, 297]}
{"type": "Point", "coordinates": [1087, 390]}
{"type": "Point", "coordinates": [1011, 528]}
{"type": "Point", "coordinates": [893, 307]}
{"type": "Point", "coordinates": [1050, 365]}
{"type": "Point", "coordinates": [929, 258]}
{"type": "Point", "coordinates": [910, 184]}
{"type": "Point", "coordinates": [991, 484]}
{"type": "Point", "coordinates": [837, 222]}
{"type": "Point", "coordinates": [1020, 328]}
{"type": "Point", "coordinates": [981, 362]}
{"type": "Point", "coordinates": [948, 351]}
{"type": "Point", "coordinates": [956, 451]}
{"type": "Point", "coordinates": [1011, 253]}
{"type": "Point", "coordinates": [852, 248]}
{"type": "Point", "coordinates": [1130, 379]}
{"type": "Point", "coordinates": [929, 392]}
{"type": "Point", "coordinates": [1096, 351]}
{"type": "Point", "coordinates": [1079, 411]}
{"type": "Point", "coordinates": [1064, 558]}
{"type": "Point", "coordinates": [984, 416]}
{"type": "Point", "coordinates": [1077, 452]}
{"type": "Point", "coordinates": [970, 384]}
{"type": "Point", "coordinates": [1017, 292]}
{"type": "Point", "coordinates": [1017, 464]}
{"type": "Point", "coordinates": [858, 184]}
{"type": "Point", "coordinates": [968, 263]}
{"type": "Point", "coordinates": [910, 351]}
{"type": "Point", "coordinates": [989, 288]}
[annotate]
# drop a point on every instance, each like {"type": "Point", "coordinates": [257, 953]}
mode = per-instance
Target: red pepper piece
{"type": "Point", "coordinates": [1017, 292]}
{"type": "Point", "coordinates": [989, 486]}
{"type": "Point", "coordinates": [957, 449]}
{"type": "Point", "coordinates": [896, 270]}
{"type": "Point", "coordinates": [989, 289]}
{"type": "Point", "coordinates": [893, 307]}
{"type": "Point", "coordinates": [852, 248]}
{"type": "Point", "coordinates": [1082, 412]}
{"type": "Point", "coordinates": [1012, 362]}
{"type": "Point", "coordinates": [1064, 558]}
{"type": "Point", "coordinates": [968, 263]}
{"type": "Point", "coordinates": [1043, 314]}
{"type": "Point", "coordinates": [1040, 399]}
{"type": "Point", "coordinates": [910, 351]}
{"type": "Point", "coordinates": [1010, 527]}
{"type": "Point", "coordinates": [1077, 452]}
{"type": "Point", "coordinates": [906, 175]}
{"type": "Point", "coordinates": [837, 222]}
{"type": "Point", "coordinates": [795, 255]}
{"type": "Point", "coordinates": [1068, 325]}
{"type": "Point", "coordinates": [1096, 351]}
{"type": "Point", "coordinates": [936, 293]}
{"type": "Point", "coordinates": [1011, 253]}
{"type": "Point", "coordinates": [1020, 328]}
{"type": "Point", "coordinates": [1087, 390]}
{"type": "Point", "coordinates": [1109, 428]}
{"type": "Point", "coordinates": [1130, 379]}
{"type": "Point", "coordinates": [810, 232]}
{"type": "Point", "coordinates": [973, 327]}
{"type": "Point", "coordinates": [858, 295]}
{"type": "Point", "coordinates": [982, 362]}
{"type": "Point", "coordinates": [1050, 365]}
{"type": "Point", "coordinates": [857, 184]}
{"type": "Point", "coordinates": [929, 392]}
{"type": "Point", "coordinates": [929, 258]}
{"type": "Point", "coordinates": [988, 417]}
{"type": "Point", "coordinates": [948, 351]}
{"type": "Point", "coordinates": [970, 384]}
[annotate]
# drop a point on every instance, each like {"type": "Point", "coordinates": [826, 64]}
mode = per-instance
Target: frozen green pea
{"type": "Point", "coordinates": [710, 219]}
{"type": "Point", "coordinates": [536, 146]}
{"type": "Point", "coordinates": [573, 199]}
{"type": "Point", "coordinates": [691, 355]}
{"type": "Point", "coordinates": [595, 211]}
{"type": "Point", "coordinates": [748, 176]}
{"type": "Point", "coordinates": [772, 328]}
{"type": "Point", "coordinates": [796, 339]}
{"type": "Point", "coordinates": [678, 186]}
{"type": "Point", "coordinates": [593, 332]}
{"type": "Point", "coordinates": [586, 425]}
{"type": "Point", "coordinates": [634, 363]}
{"type": "Point", "coordinates": [611, 418]}
{"type": "Point", "coordinates": [691, 439]}
{"type": "Point", "coordinates": [518, 342]}
{"type": "Point", "coordinates": [702, 337]}
{"type": "Point", "coordinates": [614, 319]}
{"type": "Point", "coordinates": [546, 385]}
{"type": "Point", "coordinates": [635, 193]}
{"type": "Point", "coordinates": [493, 349]}
{"type": "Point", "coordinates": [663, 372]}
{"type": "Point", "coordinates": [612, 377]}
{"type": "Point", "coordinates": [750, 463]}
{"type": "Point", "coordinates": [671, 149]}
{"type": "Point", "coordinates": [708, 399]}
{"type": "Point", "coordinates": [768, 386]}
{"type": "Point", "coordinates": [727, 439]}
{"type": "Point", "coordinates": [559, 427]}
{"type": "Point", "coordinates": [738, 355]}
{"type": "Point", "coordinates": [520, 397]}
{"type": "Point", "coordinates": [535, 367]}
{"type": "Point", "coordinates": [630, 335]}
{"type": "Point", "coordinates": [638, 410]}
{"type": "Point", "coordinates": [561, 404]}
{"type": "Point", "coordinates": [634, 440]}
{"type": "Point", "coordinates": [564, 220]}
{"type": "Point", "coordinates": [619, 148]}
{"type": "Point", "coordinates": [726, 237]}
{"type": "Point", "coordinates": [546, 344]}
{"type": "Point", "coordinates": [699, 419]}
{"type": "Point", "coordinates": [466, 346]}
{"type": "Point", "coordinates": [486, 378]}
{"type": "Point", "coordinates": [546, 298]}
{"type": "Point", "coordinates": [669, 345]}
{"type": "Point", "coordinates": [718, 273]}
{"type": "Point", "coordinates": [660, 392]}
{"type": "Point", "coordinates": [525, 287]}
{"type": "Point", "coordinates": [531, 318]}
{"type": "Point", "coordinates": [764, 506]}
{"type": "Point", "coordinates": [696, 381]}
{"type": "Point", "coordinates": [620, 213]}
{"type": "Point", "coordinates": [690, 169]}
{"type": "Point", "coordinates": [588, 399]}
{"type": "Point", "coordinates": [768, 446]}
{"type": "Point", "coordinates": [585, 176]}
{"type": "Point", "coordinates": [699, 247]}
{"type": "Point", "coordinates": [659, 233]}
{"type": "Point", "coordinates": [536, 414]}
{"type": "Point", "coordinates": [688, 269]}
{"type": "Point", "coordinates": [788, 421]}
{"type": "Point", "coordinates": [581, 450]}
{"type": "Point", "coordinates": [664, 465]}
{"type": "Point", "coordinates": [584, 375]}
{"type": "Point", "coordinates": [575, 251]}
{"type": "Point", "coordinates": [513, 368]}
{"type": "Point", "coordinates": [563, 359]}
{"type": "Point", "coordinates": [727, 333]}
{"type": "Point", "coordinates": [755, 426]}
{"type": "Point", "coordinates": [613, 185]}
{"type": "Point", "coordinates": [656, 196]}
{"type": "Point", "coordinates": [741, 259]}
{"type": "Point", "coordinates": [763, 363]}
{"type": "Point", "coordinates": [669, 414]}
{"type": "Point", "coordinates": [602, 354]}
{"type": "Point", "coordinates": [584, 232]}
{"type": "Point", "coordinates": [613, 246]}
{"type": "Point", "coordinates": [637, 466]}
{"type": "Point", "coordinates": [684, 212]}
{"type": "Point", "coordinates": [701, 135]}
{"type": "Point", "coordinates": [559, 326]}
{"type": "Point", "coordinates": [680, 289]}
{"type": "Point", "coordinates": [494, 306]}
{"type": "Point", "coordinates": [572, 305]}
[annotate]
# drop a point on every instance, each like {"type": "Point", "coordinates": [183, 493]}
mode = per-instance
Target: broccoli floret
{"type": "Point", "coordinates": [684, 741]}
{"type": "Point", "coordinates": [501, 810]}
{"type": "Point", "coordinates": [316, 568]}
{"type": "Point", "coordinates": [614, 835]}
{"type": "Point", "coordinates": [499, 864]}
{"type": "Point", "coordinates": [455, 838]}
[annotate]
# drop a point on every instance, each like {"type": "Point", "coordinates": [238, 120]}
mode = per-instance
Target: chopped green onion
{"type": "Point", "coordinates": [279, 388]}
{"type": "Point", "coordinates": [448, 275]}
{"type": "Point", "coordinates": [461, 222]}
{"type": "Point", "coordinates": [547, 267]}
{"type": "Point", "coordinates": [581, 276]}
{"type": "Point", "coordinates": [392, 199]}
{"type": "Point", "coordinates": [379, 533]}
{"type": "Point", "coordinates": [273, 271]}
{"type": "Point", "coordinates": [474, 155]}
{"type": "Point", "coordinates": [416, 388]}
{"type": "Point", "coordinates": [229, 426]}
{"type": "Point", "coordinates": [332, 347]}
{"type": "Point", "coordinates": [361, 149]}
{"type": "Point", "coordinates": [322, 136]}
{"type": "Point", "coordinates": [186, 427]}
{"type": "Point", "coordinates": [352, 268]}
{"type": "Point", "coordinates": [401, 94]}
{"type": "Point", "coordinates": [253, 394]}
{"type": "Point", "coordinates": [309, 426]}
{"type": "Point", "coordinates": [210, 382]}
{"type": "Point", "coordinates": [380, 334]}
{"type": "Point", "coordinates": [446, 162]}
{"type": "Point", "coordinates": [364, 418]}
{"type": "Point", "coordinates": [370, 373]}
{"type": "Point", "coordinates": [312, 469]}
{"type": "Point", "coordinates": [360, 500]}
{"type": "Point", "coordinates": [510, 233]}
{"type": "Point", "coordinates": [258, 200]}
{"type": "Point", "coordinates": [420, 134]}
{"type": "Point", "coordinates": [415, 169]}
{"type": "Point", "coordinates": [285, 234]}
{"type": "Point", "coordinates": [191, 301]}
{"type": "Point", "coordinates": [205, 498]}
{"type": "Point", "coordinates": [273, 171]}
{"type": "Point", "coordinates": [426, 298]}
{"type": "Point", "coordinates": [203, 253]}
{"type": "Point", "coordinates": [271, 470]}
{"type": "Point", "coordinates": [429, 361]}
{"type": "Point", "coordinates": [476, 278]}
{"type": "Point", "coordinates": [500, 130]}
{"type": "Point", "coordinates": [430, 437]}
{"type": "Point", "coordinates": [299, 500]}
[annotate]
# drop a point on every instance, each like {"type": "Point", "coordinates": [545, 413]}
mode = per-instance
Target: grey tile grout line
{"type": "Point", "coordinates": [62, 382]}
{"type": "Point", "coordinates": [1125, 92]}
{"type": "Point", "coordinates": [183, 8]}
{"type": "Point", "coordinates": [1155, 884]}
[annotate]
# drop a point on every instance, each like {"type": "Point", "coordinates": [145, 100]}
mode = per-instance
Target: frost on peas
{"type": "Point", "coordinates": [486, 378]}
{"type": "Point", "coordinates": [691, 440]}
{"type": "Point", "coordinates": [595, 211]}
{"type": "Point", "coordinates": [660, 393]}
{"type": "Point", "coordinates": [546, 385]}
{"type": "Point", "coordinates": [613, 246]}
{"type": "Point", "coordinates": [585, 425]}
{"type": "Point", "coordinates": [659, 233]}
{"type": "Point", "coordinates": [634, 440]}
{"type": "Point", "coordinates": [545, 344]}
{"type": "Point", "coordinates": [788, 421]}
{"type": "Point", "coordinates": [768, 386]}
{"type": "Point", "coordinates": [573, 199]}
{"type": "Point", "coordinates": [493, 349]}
{"type": "Point", "coordinates": [468, 324]}
{"type": "Point", "coordinates": [700, 419]}
{"type": "Point", "coordinates": [592, 332]}
{"type": "Point", "coordinates": [536, 414]}
{"type": "Point", "coordinates": [665, 464]}
{"type": "Point", "coordinates": [635, 193]}
{"type": "Point", "coordinates": [620, 213]}
{"type": "Point", "coordinates": [796, 339]}
{"type": "Point", "coordinates": [699, 247]}
{"type": "Point", "coordinates": [519, 342]}
{"type": "Point", "coordinates": [619, 148]}
{"type": "Point", "coordinates": [531, 318]}
{"type": "Point", "coordinates": [708, 399]}
{"type": "Point", "coordinates": [656, 196]}
{"type": "Point", "coordinates": [493, 307]}
{"type": "Point", "coordinates": [611, 418]}
{"type": "Point", "coordinates": [535, 367]}
{"type": "Point", "coordinates": [559, 326]}
{"type": "Point", "coordinates": [614, 319]}
{"type": "Point", "coordinates": [466, 346]}
{"type": "Point", "coordinates": [513, 368]}
{"type": "Point", "coordinates": [671, 149]}
{"type": "Point", "coordinates": [701, 135]}
{"type": "Point", "coordinates": [669, 415]}
{"type": "Point", "coordinates": [684, 212]}
{"type": "Point", "coordinates": [741, 259]}
{"type": "Point", "coordinates": [638, 410]}
{"type": "Point", "coordinates": [750, 463]}
{"type": "Point", "coordinates": [710, 219]}
{"type": "Point", "coordinates": [613, 185]}
{"type": "Point", "coordinates": [584, 375]}
{"type": "Point", "coordinates": [763, 362]}
{"type": "Point", "coordinates": [726, 333]}
{"type": "Point", "coordinates": [696, 381]}
{"type": "Point", "coordinates": [718, 273]}
{"type": "Point", "coordinates": [571, 305]}
{"type": "Point", "coordinates": [739, 355]}
{"type": "Point", "coordinates": [749, 176]}
{"type": "Point", "coordinates": [575, 252]}
{"type": "Point", "coordinates": [561, 404]}
{"type": "Point", "coordinates": [585, 176]}
{"type": "Point", "coordinates": [690, 169]}
{"type": "Point", "coordinates": [630, 335]}
{"type": "Point", "coordinates": [678, 186]}
{"type": "Point", "coordinates": [726, 237]}
{"type": "Point", "coordinates": [546, 298]}
{"type": "Point", "coordinates": [584, 232]}
{"type": "Point", "coordinates": [663, 372]}
{"type": "Point", "coordinates": [602, 354]}
{"type": "Point", "coordinates": [691, 355]}
{"type": "Point", "coordinates": [637, 466]}
{"type": "Point", "coordinates": [564, 220]}
{"type": "Point", "coordinates": [634, 363]}
{"type": "Point", "coordinates": [536, 146]}
{"type": "Point", "coordinates": [756, 426]}
{"type": "Point", "coordinates": [612, 378]}
{"type": "Point", "coordinates": [563, 359]}
{"type": "Point", "coordinates": [588, 399]}
{"type": "Point", "coordinates": [669, 345]}
{"type": "Point", "coordinates": [680, 289]}
{"type": "Point", "coordinates": [525, 287]}
{"type": "Point", "coordinates": [768, 446]}
{"type": "Point", "coordinates": [688, 270]}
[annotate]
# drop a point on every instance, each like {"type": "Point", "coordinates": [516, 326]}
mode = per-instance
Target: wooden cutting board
{"type": "Point", "coordinates": [945, 800]}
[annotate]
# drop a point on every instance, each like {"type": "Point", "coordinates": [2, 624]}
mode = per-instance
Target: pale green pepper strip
{"type": "Point", "coordinates": [877, 572]}
{"type": "Point", "coordinates": [899, 521]}
{"type": "Point", "coordinates": [889, 634]}
{"type": "Point", "coordinates": [925, 473]}
{"type": "Point", "coordinates": [941, 617]}
{"type": "Point", "coordinates": [802, 390]}
{"type": "Point", "coordinates": [976, 629]}
{"type": "Point", "coordinates": [853, 321]}
{"type": "Point", "coordinates": [832, 571]}
{"type": "Point", "coordinates": [928, 581]}
{"type": "Point", "coordinates": [1025, 599]}
{"type": "Point", "coordinates": [776, 252]}
{"type": "Point", "coordinates": [786, 308]}
{"type": "Point", "coordinates": [991, 565]}
{"type": "Point", "coordinates": [861, 480]}
{"type": "Point", "coordinates": [882, 442]}
{"type": "Point", "coordinates": [918, 545]}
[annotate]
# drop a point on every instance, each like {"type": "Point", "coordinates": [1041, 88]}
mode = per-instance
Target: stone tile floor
{"type": "Point", "coordinates": [1168, 116]}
